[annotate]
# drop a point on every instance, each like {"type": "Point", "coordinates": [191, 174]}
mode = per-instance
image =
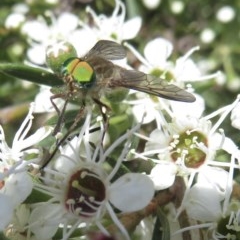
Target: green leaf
{"type": "Point", "coordinates": [3, 237]}
{"type": "Point", "coordinates": [32, 74]}
{"type": "Point", "coordinates": [161, 229]}
{"type": "Point", "coordinates": [36, 197]}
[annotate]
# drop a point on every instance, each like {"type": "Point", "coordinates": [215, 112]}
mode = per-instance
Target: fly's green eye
{"type": "Point", "coordinates": [80, 71]}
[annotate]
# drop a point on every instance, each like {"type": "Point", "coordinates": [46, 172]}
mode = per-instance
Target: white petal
{"type": "Point", "coordinates": [14, 20]}
{"type": "Point", "coordinates": [194, 109]}
{"type": "Point", "coordinates": [42, 101]}
{"type": "Point", "coordinates": [44, 220]}
{"type": "Point", "coordinates": [186, 69]}
{"type": "Point", "coordinates": [36, 54]}
{"type": "Point", "coordinates": [131, 28]}
{"type": "Point", "coordinates": [151, 4]}
{"type": "Point", "coordinates": [203, 203]}
{"type": "Point", "coordinates": [163, 175]}
{"type": "Point", "coordinates": [216, 178]}
{"type": "Point", "coordinates": [36, 30]}
{"type": "Point", "coordinates": [158, 140]}
{"type": "Point", "coordinates": [38, 136]}
{"type": "Point", "coordinates": [235, 116]}
{"type": "Point", "coordinates": [131, 192]}
{"type": "Point", "coordinates": [146, 109]}
{"type": "Point", "coordinates": [83, 40]}
{"type": "Point", "coordinates": [20, 183]}
{"type": "Point", "coordinates": [67, 22]}
{"type": "Point", "coordinates": [216, 142]}
{"type": "Point", "coordinates": [6, 210]}
{"type": "Point", "coordinates": [157, 51]}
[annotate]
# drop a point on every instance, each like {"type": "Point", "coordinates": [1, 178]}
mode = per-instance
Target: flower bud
{"type": "Point", "coordinates": [58, 53]}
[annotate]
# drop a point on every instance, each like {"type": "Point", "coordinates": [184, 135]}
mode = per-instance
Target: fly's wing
{"type": "Point", "coordinates": [106, 49]}
{"type": "Point", "coordinates": [149, 84]}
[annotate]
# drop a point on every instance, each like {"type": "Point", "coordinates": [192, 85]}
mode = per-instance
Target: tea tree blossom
{"type": "Point", "coordinates": [14, 166]}
{"type": "Point", "coordinates": [156, 62]}
{"type": "Point", "coordinates": [208, 201]}
{"type": "Point", "coordinates": [82, 189]}
{"type": "Point", "coordinates": [190, 143]}
{"type": "Point", "coordinates": [40, 34]}
{"type": "Point", "coordinates": [115, 27]}
{"type": "Point", "coordinates": [69, 28]}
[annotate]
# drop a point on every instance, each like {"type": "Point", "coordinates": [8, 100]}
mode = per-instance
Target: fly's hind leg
{"type": "Point", "coordinates": [103, 109]}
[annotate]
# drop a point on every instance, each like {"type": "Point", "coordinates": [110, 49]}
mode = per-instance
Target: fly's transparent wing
{"type": "Point", "coordinates": [108, 50]}
{"type": "Point", "coordinates": [149, 84]}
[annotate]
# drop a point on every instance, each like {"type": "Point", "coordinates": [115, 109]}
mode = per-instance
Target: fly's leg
{"type": "Point", "coordinates": [103, 109]}
{"type": "Point", "coordinates": [62, 140]}
{"type": "Point", "coordinates": [60, 113]}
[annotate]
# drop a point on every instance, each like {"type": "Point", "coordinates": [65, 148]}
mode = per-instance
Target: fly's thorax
{"type": "Point", "coordinates": [103, 69]}
{"type": "Point", "coordinates": [79, 71]}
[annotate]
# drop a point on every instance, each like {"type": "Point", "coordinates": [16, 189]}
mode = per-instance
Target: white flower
{"type": "Point", "coordinates": [115, 27]}
{"type": "Point", "coordinates": [41, 35]}
{"type": "Point", "coordinates": [17, 17]}
{"type": "Point", "coordinates": [156, 62]}
{"type": "Point", "coordinates": [21, 143]}
{"type": "Point", "coordinates": [177, 7]}
{"type": "Point", "coordinates": [13, 166]}
{"type": "Point", "coordinates": [208, 202]}
{"type": "Point", "coordinates": [151, 4]}
{"type": "Point", "coordinates": [188, 142]}
{"type": "Point", "coordinates": [225, 14]}
{"type": "Point", "coordinates": [66, 27]}
{"type": "Point", "coordinates": [189, 138]}
{"type": "Point", "coordinates": [81, 188]}
{"type": "Point", "coordinates": [207, 35]}
{"type": "Point", "coordinates": [185, 142]}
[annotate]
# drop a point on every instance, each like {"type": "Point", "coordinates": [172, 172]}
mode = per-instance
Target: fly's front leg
{"type": "Point", "coordinates": [59, 112]}
{"type": "Point", "coordinates": [64, 138]}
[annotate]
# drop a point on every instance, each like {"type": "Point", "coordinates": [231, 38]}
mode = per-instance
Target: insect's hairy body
{"type": "Point", "coordinates": [104, 72]}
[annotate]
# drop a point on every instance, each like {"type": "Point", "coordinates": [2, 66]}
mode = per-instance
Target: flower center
{"type": "Point", "coordinates": [188, 147]}
{"type": "Point", "coordinates": [85, 194]}
{"type": "Point", "coordinates": [167, 75]}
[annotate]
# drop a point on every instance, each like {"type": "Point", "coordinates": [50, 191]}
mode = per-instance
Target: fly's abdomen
{"type": "Point", "coordinates": [79, 71]}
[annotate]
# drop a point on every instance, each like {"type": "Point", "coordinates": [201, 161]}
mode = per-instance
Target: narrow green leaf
{"type": "Point", "coordinates": [32, 74]}
{"type": "Point", "coordinates": [133, 9]}
{"type": "Point", "coordinates": [161, 229]}
{"type": "Point", "coordinates": [36, 197]}
{"type": "Point", "coordinates": [3, 237]}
